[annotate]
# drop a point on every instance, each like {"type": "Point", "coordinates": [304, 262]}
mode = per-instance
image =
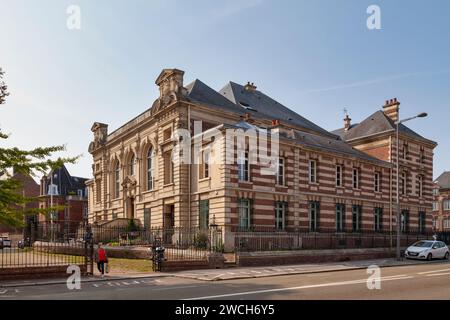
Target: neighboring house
{"type": "Point", "coordinates": [29, 188]}
{"type": "Point", "coordinates": [340, 182]}
{"type": "Point", "coordinates": [67, 191]}
{"type": "Point", "coordinates": [441, 202]}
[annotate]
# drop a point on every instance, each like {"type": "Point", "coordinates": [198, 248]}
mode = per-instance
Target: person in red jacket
{"type": "Point", "coordinates": [101, 258]}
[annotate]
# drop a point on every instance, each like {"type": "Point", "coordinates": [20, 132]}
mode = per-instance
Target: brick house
{"type": "Point", "coordinates": [441, 203]}
{"type": "Point", "coordinates": [29, 188]}
{"type": "Point", "coordinates": [341, 181]}
{"type": "Point", "coordinates": [67, 191]}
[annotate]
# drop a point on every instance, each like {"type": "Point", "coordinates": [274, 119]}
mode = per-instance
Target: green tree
{"type": "Point", "coordinates": [29, 162]}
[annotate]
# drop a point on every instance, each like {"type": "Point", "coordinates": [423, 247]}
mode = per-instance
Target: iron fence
{"type": "Point", "coordinates": [273, 240]}
{"type": "Point", "coordinates": [43, 254]}
{"type": "Point", "coordinates": [176, 238]}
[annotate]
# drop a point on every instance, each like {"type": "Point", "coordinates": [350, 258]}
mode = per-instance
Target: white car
{"type": "Point", "coordinates": [427, 249]}
{"type": "Point", "coordinates": [5, 242]}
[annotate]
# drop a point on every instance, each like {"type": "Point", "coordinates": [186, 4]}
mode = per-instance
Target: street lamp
{"type": "Point", "coordinates": [397, 123]}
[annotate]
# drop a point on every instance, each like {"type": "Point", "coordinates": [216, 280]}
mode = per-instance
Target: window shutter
{"type": "Point", "coordinates": [275, 212]}
{"type": "Point", "coordinates": [286, 214]}
{"type": "Point", "coordinates": [251, 213]}
{"type": "Point", "coordinates": [317, 215]}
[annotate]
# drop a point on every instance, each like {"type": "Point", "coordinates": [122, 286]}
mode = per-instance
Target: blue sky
{"type": "Point", "coordinates": [316, 57]}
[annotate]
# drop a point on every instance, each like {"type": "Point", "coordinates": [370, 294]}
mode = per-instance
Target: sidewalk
{"type": "Point", "coordinates": [258, 272]}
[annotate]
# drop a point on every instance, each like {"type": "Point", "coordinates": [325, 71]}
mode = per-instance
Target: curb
{"type": "Point", "coordinates": [306, 272]}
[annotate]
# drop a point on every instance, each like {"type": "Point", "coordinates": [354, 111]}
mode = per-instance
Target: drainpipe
{"type": "Point", "coordinates": [189, 168]}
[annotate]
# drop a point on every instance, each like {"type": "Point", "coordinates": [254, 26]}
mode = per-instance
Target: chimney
{"type": "Point", "coordinates": [391, 109]}
{"type": "Point", "coordinates": [275, 122]}
{"type": "Point", "coordinates": [347, 122]}
{"type": "Point", "coordinates": [250, 87]}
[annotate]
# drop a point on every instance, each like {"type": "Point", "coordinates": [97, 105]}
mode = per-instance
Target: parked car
{"type": "Point", "coordinates": [5, 242]}
{"type": "Point", "coordinates": [427, 249]}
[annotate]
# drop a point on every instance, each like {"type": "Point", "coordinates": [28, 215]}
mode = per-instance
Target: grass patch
{"type": "Point", "coordinates": [129, 265]}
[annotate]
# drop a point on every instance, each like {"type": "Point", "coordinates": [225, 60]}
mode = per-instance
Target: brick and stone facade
{"type": "Point", "coordinates": [330, 180]}
{"type": "Point", "coordinates": [69, 193]}
{"type": "Point", "coordinates": [441, 203]}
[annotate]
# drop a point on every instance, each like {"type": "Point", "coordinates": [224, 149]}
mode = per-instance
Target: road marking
{"type": "Point", "coordinates": [172, 288]}
{"type": "Point", "coordinates": [218, 276]}
{"type": "Point", "coordinates": [434, 271]}
{"type": "Point", "coordinates": [438, 274]}
{"type": "Point", "coordinates": [343, 283]}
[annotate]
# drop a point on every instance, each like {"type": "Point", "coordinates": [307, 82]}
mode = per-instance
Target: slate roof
{"type": "Point", "coordinates": [318, 142]}
{"type": "Point", "coordinates": [65, 182]}
{"type": "Point", "coordinates": [374, 124]}
{"type": "Point", "coordinates": [267, 107]}
{"type": "Point", "coordinates": [443, 181]}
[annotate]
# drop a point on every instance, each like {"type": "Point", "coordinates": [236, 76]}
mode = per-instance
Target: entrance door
{"type": "Point", "coordinates": [130, 208]}
{"type": "Point", "coordinates": [169, 223]}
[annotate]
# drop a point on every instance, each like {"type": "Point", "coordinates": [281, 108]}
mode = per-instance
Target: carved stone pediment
{"type": "Point", "coordinates": [100, 131]}
{"type": "Point", "coordinates": [129, 182]}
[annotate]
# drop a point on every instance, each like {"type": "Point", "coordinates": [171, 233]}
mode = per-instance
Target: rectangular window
{"type": "Point", "coordinates": [422, 155]}
{"type": "Point", "coordinates": [204, 171]}
{"type": "Point", "coordinates": [434, 223]}
{"type": "Point", "coordinates": [435, 191]}
{"type": "Point", "coordinates": [403, 183]}
{"type": "Point", "coordinates": [446, 223]}
{"type": "Point", "coordinates": [244, 212]}
{"type": "Point", "coordinates": [377, 182]}
{"type": "Point", "coordinates": [378, 219]}
{"type": "Point", "coordinates": [405, 221]}
{"type": "Point", "coordinates": [244, 168]}
{"type": "Point", "coordinates": [446, 205]}
{"type": "Point", "coordinates": [168, 168]}
{"type": "Point", "coordinates": [422, 223]}
{"type": "Point", "coordinates": [314, 208]}
{"type": "Point", "coordinates": [280, 215]}
{"type": "Point", "coordinates": [280, 172]}
{"type": "Point", "coordinates": [435, 206]}
{"type": "Point", "coordinates": [338, 176]}
{"type": "Point", "coordinates": [340, 217]}
{"type": "Point", "coordinates": [405, 151]}
{"type": "Point", "coordinates": [203, 214]}
{"type": "Point", "coordinates": [167, 134]}
{"type": "Point", "coordinates": [147, 218]}
{"type": "Point", "coordinates": [312, 171]}
{"type": "Point", "coordinates": [356, 178]}
{"type": "Point", "coordinates": [420, 186]}
{"type": "Point", "coordinates": [98, 191]}
{"type": "Point", "coordinates": [356, 218]}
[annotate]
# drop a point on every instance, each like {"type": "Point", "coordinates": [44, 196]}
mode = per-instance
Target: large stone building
{"type": "Point", "coordinates": [441, 202]}
{"type": "Point", "coordinates": [323, 181]}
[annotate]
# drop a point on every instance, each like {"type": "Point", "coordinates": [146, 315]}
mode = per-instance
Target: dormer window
{"type": "Point", "coordinates": [53, 190]}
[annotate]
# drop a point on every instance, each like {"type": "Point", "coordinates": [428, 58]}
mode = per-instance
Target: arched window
{"type": "Point", "coordinates": [150, 168]}
{"type": "Point", "coordinates": [131, 165]}
{"type": "Point", "coordinates": [117, 180]}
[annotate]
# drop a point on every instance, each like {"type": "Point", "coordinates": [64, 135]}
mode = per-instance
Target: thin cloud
{"type": "Point", "coordinates": [375, 81]}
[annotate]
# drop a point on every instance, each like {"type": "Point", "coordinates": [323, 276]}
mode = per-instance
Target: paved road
{"type": "Point", "coordinates": [425, 281]}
